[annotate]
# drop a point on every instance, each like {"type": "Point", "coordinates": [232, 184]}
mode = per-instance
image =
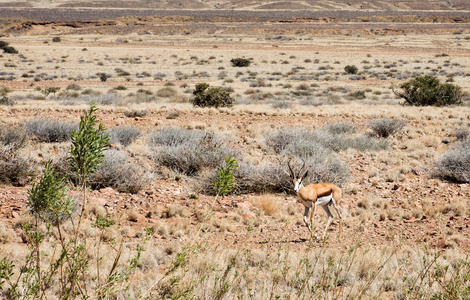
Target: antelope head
{"type": "Point", "coordinates": [297, 180]}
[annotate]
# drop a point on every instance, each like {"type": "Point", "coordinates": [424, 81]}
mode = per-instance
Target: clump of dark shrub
{"type": "Point", "coordinates": [56, 39]}
{"type": "Point", "coordinates": [206, 96]}
{"type": "Point", "coordinates": [7, 49]}
{"type": "Point", "coordinates": [455, 164]}
{"type": "Point", "coordinates": [428, 90]}
{"type": "Point", "coordinates": [385, 127]}
{"type": "Point", "coordinates": [103, 77]}
{"type": "Point", "coordinates": [124, 135]}
{"type": "Point", "coordinates": [240, 62]}
{"type": "Point", "coordinates": [350, 69]}
{"type": "Point", "coordinates": [189, 151]}
{"type": "Point", "coordinates": [15, 169]}
{"type": "Point", "coordinates": [49, 131]}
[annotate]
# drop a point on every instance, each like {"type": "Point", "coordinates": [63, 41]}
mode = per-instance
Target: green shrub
{"type": "Point", "coordinates": [206, 96]}
{"type": "Point", "coordinates": [9, 49]}
{"type": "Point", "coordinates": [56, 39]}
{"type": "Point", "coordinates": [225, 181]}
{"type": "Point", "coordinates": [350, 69]}
{"type": "Point", "coordinates": [427, 90]}
{"type": "Point", "coordinates": [6, 48]}
{"type": "Point", "coordinates": [48, 199]}
{"type": "Point", "coordinates": [385, 127]}
{"type": "Point", "coordinates": [240, 62]}
{"type": "Point", "coordinates": [103, 77]}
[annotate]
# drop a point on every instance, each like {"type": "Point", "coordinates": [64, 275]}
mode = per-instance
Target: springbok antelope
{"type": "Point", "coordinates": [313, 195]}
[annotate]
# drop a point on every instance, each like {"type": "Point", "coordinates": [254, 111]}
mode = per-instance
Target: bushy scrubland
{"type": "Point", "coordinates": [111, 267]}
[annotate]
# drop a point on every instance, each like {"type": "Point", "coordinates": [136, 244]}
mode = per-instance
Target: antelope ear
{"type": "Point", "coordinates": [305, 175]}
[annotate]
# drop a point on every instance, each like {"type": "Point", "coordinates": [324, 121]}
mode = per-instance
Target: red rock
{"type": "Point", "coordinates": [131, 235]}
{"type": "Point", "coordinates": [14, 214]}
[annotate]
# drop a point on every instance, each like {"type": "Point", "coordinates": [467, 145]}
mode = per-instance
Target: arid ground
{"type": "Point", "coordinates": [401, 222]}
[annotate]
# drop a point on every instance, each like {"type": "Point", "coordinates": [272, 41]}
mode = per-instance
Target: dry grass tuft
{"type": "Point", "coordinates": [269, 203]}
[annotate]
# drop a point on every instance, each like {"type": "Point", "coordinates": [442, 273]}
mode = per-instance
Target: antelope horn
{"type": "Point", "coordinates": [292, 174]}
{"type": "Point", "coordinates": [303, 166]}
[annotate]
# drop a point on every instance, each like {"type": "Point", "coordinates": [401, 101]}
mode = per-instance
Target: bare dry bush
{"type": "Point", "coordinates": [455, 164]}
{"type": "Point", "coordinates": [120, 173]}
{"type": "Point", "coordinates": [15, 168]}
{"type": "Point", "coordinates": [124, 135]}
{"type": "Point", "coordinates": [385, 127]}
{"type": "Point", "coordinates": [189, 151]}
{"type": "Point", "coordinates": [49, 131]}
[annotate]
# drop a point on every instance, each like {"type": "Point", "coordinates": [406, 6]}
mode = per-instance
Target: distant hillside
{"type": "Point", "coordinates": [400, 5]}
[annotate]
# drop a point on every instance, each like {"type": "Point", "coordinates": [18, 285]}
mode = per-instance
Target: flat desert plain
{"type": "Point", "coordinates": [405, 230]}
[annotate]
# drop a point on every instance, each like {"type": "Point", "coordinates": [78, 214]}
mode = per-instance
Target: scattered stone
{"type": "Point", "coordinates": [442, 243]}
{"type": "Point", "coordinates": [107, 190]}
{"type": "Point", "coordinates": [232, 229]}
{"type": "Point", "coordinates": [98, 200]}
{"type": "Point", "coordinates": [248, 215]}
{"type": "Point", "coordinates": [245, 204]}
